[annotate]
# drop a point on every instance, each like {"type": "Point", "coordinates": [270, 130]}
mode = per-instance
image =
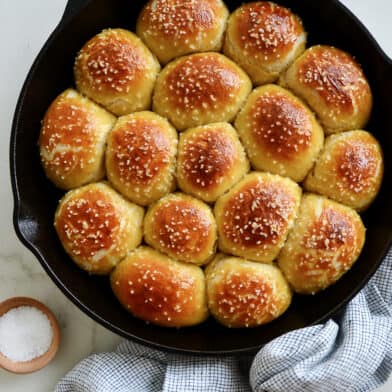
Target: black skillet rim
{"type": "Point", "coordinates": [66, 18]}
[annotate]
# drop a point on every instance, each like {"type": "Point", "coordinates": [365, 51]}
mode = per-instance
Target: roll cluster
{"type": "Point", "coordinates": [185, 168]}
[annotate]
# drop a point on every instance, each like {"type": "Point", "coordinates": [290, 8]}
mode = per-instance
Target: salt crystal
{"type": "Point", "coordinates": [25, 333]}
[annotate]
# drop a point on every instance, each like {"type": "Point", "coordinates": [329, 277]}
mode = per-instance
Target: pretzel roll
{"type": "Point", "coordinates": [334, 86]}
{"type": "Point", "coordinates": [182, 227]}
{"type": "Point", "coordinates": [116, 70]}
{"type": "Point", "coordinates": [97, 227]}
{"type": "Point", "coordinates": [211, 160]}
{"type": "Point", "coordinates": [264, 39]}
{"type": "Point", "coordinates": [349, 170]}
{"type": "Point", "coordinates": [255, 216]}
{"type": "Point", "coordinates": [245, 294]}
{"type": "Point", "coordinates": [140, 157]}
{"type": "Point", "coordinates": [200, 89]}
{"type": "Point", "coordinates": [173, 28]}
{"type": "Point", "coordinates": [280, 134]}
{"type": "Point", "coordinates": [159, 290]}
{"type": "Point", "coordinates": [72, 140]}
{"type": "Point", "coordinates": [326, 241]}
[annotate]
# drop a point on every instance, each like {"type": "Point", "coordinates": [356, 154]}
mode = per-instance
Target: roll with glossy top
{"type": "Point", "coordinates": [72, 140]}
{"type": "Point", "coordinates": [324, 244]}
{"type": "Point", "coordinates": [245, 294]}
{"type": "Point", "coordinates": [211, 160]}
{"type": "Point", "coordinates": [255, 216]}
{"type": "Point", "coordinates": [159, 290]}
{"type": "Point", "coordinates": [97, 227]}
{"type": "Point", "coordinates": [280, 134]}
{"type": "Point", "coordinates": [264, 39]}
{"type": "Point", "coordinates": [200, 89]}
{"type": "Point", "coordinates": [141, 157]}
{"type": "Point", "coordinates": [334, 86]}
{"type": "Point", "coordinates": [173, 28]}
{"type": "Point", "coordinates": [182, 227]}
{"type": "Point", "coordinates": [116, 70]}
{"type": "Point", "coordinates": [349, 169]}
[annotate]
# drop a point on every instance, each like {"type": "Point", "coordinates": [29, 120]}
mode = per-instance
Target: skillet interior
{"type": "Point", "coordinates": [36, 198]}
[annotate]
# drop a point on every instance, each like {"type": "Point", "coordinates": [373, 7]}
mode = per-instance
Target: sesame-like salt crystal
{"type": "Point", "coordinates": [25, 333]}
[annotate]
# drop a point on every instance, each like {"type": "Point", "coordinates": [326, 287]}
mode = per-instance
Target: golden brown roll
{"type": "Point", "coordinates": [140, 157]}
{"type": "Point", "coordinates": [200, 89]}
{"type": "Point", "coordinates": [334, 86]}
{"type": "Point", "coordinates": [211, 160]}
{"type": "Point", "coordinates": [326, 240]}
{"type": "Point", "coordinates": [280, 134]}
{"type": "Point", "coordinates": [349, 169]}
{"type": "Point", "coordinates": [172, 28]}
{"type": "Point", "coordinates": [182, 227]}
{"type": "Point", "coordinates": [245, 294]}
{"type": "Point", "coordinates": [264, 38]}
{"type": "Point", "coordinates": [73, 139]}
{"type": "Point", "coordinates": [255, 216]}
{"type": "Point", "coordinates": [159, 290]}
{"type": "Point", "coordinates": [97, 227]}
{"type": "Point", "coordinates": [116, 70]}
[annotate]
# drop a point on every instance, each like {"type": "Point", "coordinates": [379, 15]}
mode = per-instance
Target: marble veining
{"type": "Point", "coordinates": [20, 272]}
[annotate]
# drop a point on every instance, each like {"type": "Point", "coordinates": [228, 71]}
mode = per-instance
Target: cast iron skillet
{"type": "Point", "coordinates": [327, 22]}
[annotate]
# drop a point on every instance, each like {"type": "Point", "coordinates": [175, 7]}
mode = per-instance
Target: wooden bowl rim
{"type": "Point", "coordinates": [39, 362]}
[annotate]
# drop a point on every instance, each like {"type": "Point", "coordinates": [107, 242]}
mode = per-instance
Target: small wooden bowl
{"type": "Point", "coordinates": [41, 361]}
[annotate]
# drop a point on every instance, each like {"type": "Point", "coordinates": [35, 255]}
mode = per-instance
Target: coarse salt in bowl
{"type": "Point", "coordinates": [29, 335]}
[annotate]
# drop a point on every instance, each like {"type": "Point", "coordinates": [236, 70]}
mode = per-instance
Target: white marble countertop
{"type": "Point", "coordinates": [24, 27]}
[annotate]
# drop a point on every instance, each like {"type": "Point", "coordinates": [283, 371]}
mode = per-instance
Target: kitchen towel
{"type": "Point", "coordinates": [350, 354]}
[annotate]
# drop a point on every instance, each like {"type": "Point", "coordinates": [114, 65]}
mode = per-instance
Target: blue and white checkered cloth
{"type": "Point", "coordinates": [353, 354]}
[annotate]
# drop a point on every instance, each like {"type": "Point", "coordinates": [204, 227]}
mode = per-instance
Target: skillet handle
{"type": "Point", "coordinates": [72, 8]}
